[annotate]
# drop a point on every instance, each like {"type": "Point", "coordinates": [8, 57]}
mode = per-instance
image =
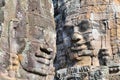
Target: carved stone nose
{"type": "Point", "coordinates": [77, 37]}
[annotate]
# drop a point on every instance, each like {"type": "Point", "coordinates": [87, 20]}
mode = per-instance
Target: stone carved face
{"type": "Point", "coordinates": [79, 38]}
{"type": "Point", "coordinates": [36, 48]}
{"type": "Point", "coordinates": [38, 51]}
{"type": "Point", "coordinates": [35, 38]}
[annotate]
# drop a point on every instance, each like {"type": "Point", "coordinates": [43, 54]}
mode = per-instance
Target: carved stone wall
{"type": "Point", "coordinates": [87, 35]}
{"type": "Point", "coordinates": [59, 39]}
{"type": "Point", "coordinates": [28, 40]}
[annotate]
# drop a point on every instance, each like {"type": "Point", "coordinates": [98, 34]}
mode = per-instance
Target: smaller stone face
{"type": "Point", "coordinates": [79, 42]}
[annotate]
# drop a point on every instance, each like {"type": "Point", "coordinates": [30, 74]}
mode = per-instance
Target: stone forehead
{"type": "Point", "coordinates": [39, 20]}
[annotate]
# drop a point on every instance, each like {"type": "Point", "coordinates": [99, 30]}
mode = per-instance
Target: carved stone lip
{"type": "Point", "coordinates": [43, 55]}
{"type": "Point", "coordinates": [78, 48]}
{"type": "Point", "coordinates": [35, 41]}
{"type": "Point", "coordinates": [44, 61]}
{"type": "Point", "coordinates": [83, 53]}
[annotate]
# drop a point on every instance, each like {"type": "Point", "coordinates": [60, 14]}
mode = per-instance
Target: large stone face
{"type": "Point", "coordinates": [28, 40]}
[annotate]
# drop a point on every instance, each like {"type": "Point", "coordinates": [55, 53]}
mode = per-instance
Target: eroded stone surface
{"type": "Point", "coordinates": [30, 40]}
{"type": "Point", "coordinates": [86, 40]}
{"type": "Point", "coordinates": [88, 36]}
